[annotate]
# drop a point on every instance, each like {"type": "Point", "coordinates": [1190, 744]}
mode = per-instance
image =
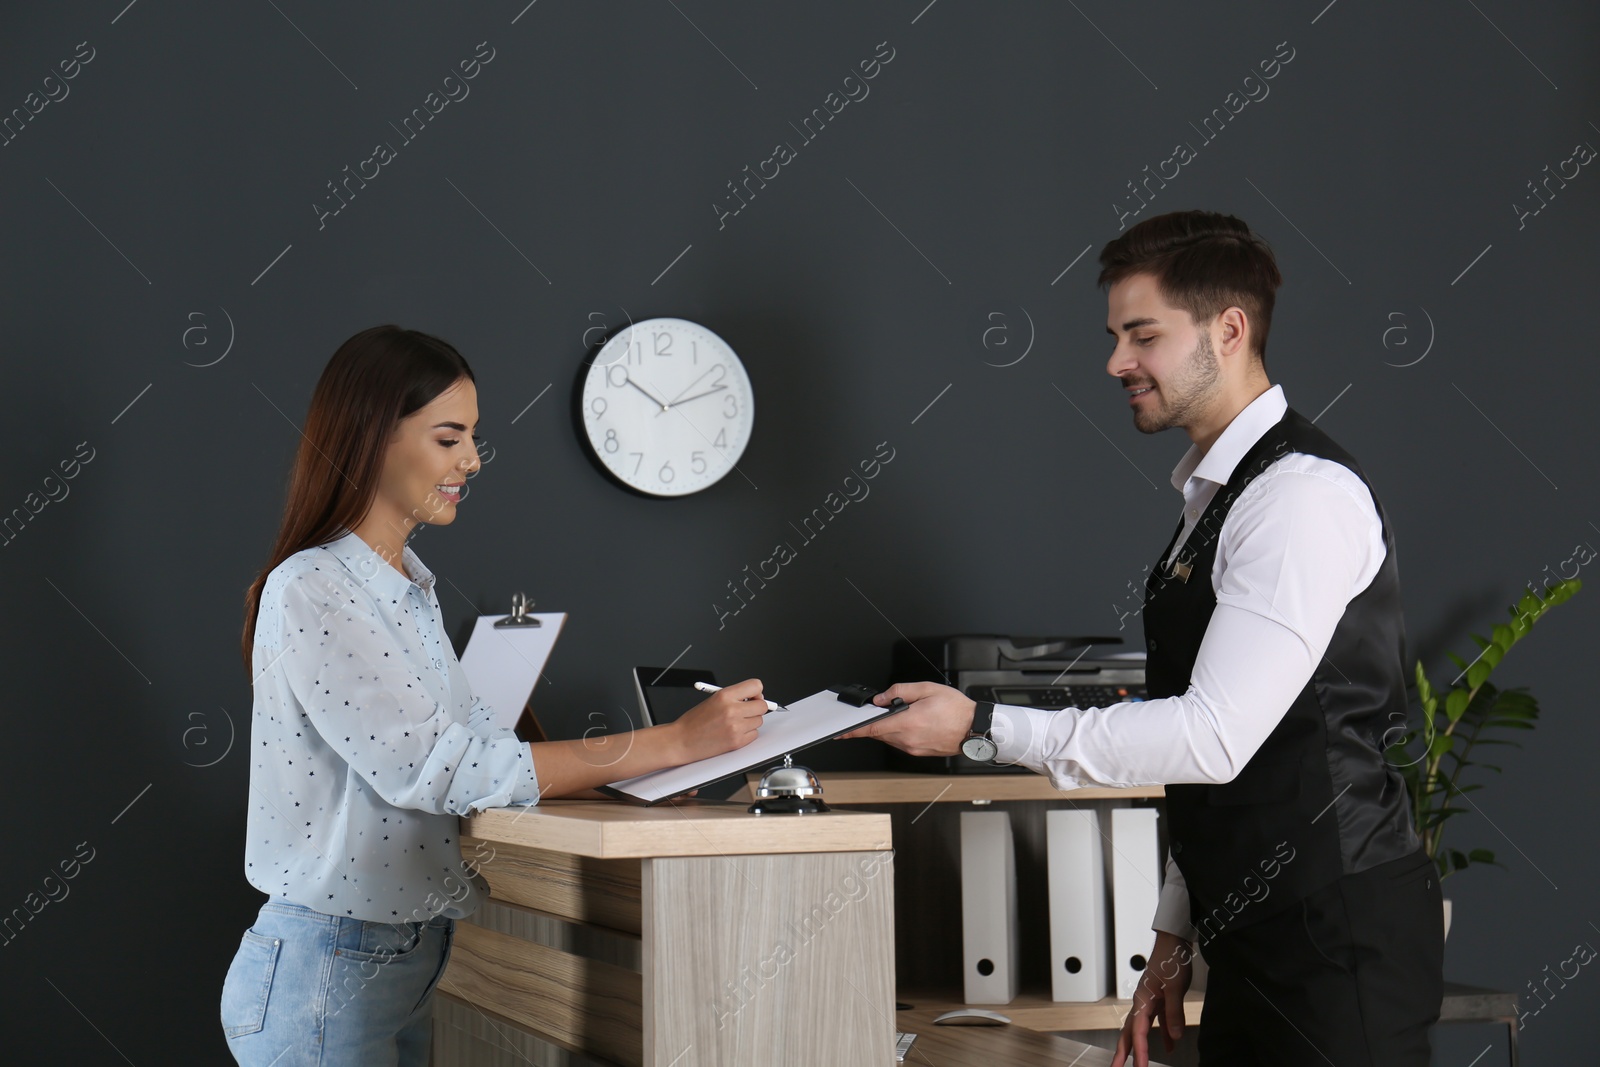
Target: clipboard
{"type": "Point", "coordinates": [504, 660]}
{"type": "Point", "coordinates": [820, 717]}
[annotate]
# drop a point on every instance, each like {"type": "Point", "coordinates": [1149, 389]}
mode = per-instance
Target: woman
{"type": "Point", "coordinates": [366, 741]}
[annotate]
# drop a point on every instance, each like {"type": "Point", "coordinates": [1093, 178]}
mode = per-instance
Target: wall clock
{"type": "Point", "coordinates": [666, 407]}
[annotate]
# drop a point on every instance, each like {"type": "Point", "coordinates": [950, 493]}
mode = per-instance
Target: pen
{"type": "Point", "coordinates": [707, 687]}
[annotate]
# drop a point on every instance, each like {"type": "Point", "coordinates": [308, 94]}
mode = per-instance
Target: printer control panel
{"type": "Point", "coordinates": [1054, 698]}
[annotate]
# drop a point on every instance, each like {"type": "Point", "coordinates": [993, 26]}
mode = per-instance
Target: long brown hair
{"type": "Point", "coordinates": [1203, 262]}
{"type": "Point", "coordinates": [375, 379]}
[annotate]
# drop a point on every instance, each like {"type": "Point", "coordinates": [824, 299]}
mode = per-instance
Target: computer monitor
{"type": "Point", "coordinates": [665, 693]}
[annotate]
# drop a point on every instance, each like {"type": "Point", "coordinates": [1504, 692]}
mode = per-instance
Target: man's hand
{"type": "Point", "coordinates": [1159, 996]}
{"type": "Point", "coordinates": [937, 721]}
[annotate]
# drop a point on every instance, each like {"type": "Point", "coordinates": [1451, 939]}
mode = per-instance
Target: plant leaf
{"type": "Point", "coordinates": [1512, 711]}
{"type": "Point", "coordinates": [1444, 813]}
{"type": "Point", "coordinates": [1479, 672]}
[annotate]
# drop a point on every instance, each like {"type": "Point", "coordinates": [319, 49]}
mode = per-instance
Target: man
{"type": "Point", "coordinates": [1275, 670]}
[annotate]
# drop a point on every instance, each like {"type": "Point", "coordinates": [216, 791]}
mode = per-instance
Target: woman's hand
{"type": "Point", "coordinates": [726, 720]}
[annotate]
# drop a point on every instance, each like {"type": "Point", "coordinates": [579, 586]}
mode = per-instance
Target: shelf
{"type": "Point", "coordinates": [1036, 1011]}
{"type": "Point", "coordinates": [993, 1046]}
{"type": "Point", "coordinates": [905, 787]}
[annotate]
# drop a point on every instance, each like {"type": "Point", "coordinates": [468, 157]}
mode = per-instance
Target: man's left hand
{"type": "Point", "coordinates": [938, 720]}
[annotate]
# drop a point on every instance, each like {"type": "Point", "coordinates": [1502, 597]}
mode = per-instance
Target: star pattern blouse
{"type": "Point", "coordinates": [367, 744]}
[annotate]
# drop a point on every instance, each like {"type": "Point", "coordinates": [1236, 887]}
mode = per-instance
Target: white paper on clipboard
{"type": "Point", "coordinates": [503, 663]}
{"type": "Point", "coordinates": [819, 717]}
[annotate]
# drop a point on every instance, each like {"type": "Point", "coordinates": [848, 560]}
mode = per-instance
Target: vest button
{"type": "Point", "coordinates": [1152, 643]}
{"type": "Point", "coordinates": [1177, 847]}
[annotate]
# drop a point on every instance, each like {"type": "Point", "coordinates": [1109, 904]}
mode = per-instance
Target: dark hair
{"type": "Point", "coordinates": [1204, 262]}
{"type": "Point", "coordinates": [374, 380]}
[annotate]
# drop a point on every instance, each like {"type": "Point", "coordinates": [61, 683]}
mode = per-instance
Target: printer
{"type": "Point", "coordinates": [1035, 672]}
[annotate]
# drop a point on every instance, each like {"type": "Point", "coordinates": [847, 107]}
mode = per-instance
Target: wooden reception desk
{"type": "Point", "coordinates": [685, 934]}
{"type": "Point", "coordinates": [691, 935]}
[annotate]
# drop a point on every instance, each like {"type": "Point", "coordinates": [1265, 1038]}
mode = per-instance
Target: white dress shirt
{"type": "Point", "coordinates": [1299, 543]}
{"type": "Point", "coordinates": [367, 744]}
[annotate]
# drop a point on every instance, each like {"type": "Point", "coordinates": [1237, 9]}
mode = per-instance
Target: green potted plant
{"type": "Point", "coordinates": [1458, 721]}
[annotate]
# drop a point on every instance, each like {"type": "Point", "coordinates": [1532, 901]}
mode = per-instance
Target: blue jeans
{"type": "Point", "coordinates": [312, 990]}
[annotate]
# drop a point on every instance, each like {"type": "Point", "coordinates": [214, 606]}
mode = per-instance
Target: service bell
{"type": "Point", "coordinates": [788, 789]}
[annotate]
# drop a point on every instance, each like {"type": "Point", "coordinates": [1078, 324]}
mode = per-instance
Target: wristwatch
{"type": "Point", "coordinates": [979, 746]}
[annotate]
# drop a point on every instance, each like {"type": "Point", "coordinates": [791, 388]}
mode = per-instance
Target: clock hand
{"type": "Point", "coordinates": [697, 396]}
{"type": "Point", "coordinates": [653, 398]}
{"type": "Point", "coordinates": [691, 385]}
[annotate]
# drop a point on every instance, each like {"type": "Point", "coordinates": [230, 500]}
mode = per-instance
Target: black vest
{"type": "Point", "coordinates": [1317, 800]}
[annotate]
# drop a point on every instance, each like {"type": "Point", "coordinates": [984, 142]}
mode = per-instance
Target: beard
{"type": "Point", "coordinates": [1181, 398]}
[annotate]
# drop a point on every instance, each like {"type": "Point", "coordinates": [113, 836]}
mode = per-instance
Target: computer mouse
{"type": "Point", "coordinates": [971, 1017]}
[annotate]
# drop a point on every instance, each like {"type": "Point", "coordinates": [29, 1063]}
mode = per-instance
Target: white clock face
{"type": "Point", "coordinates": [667, 407]}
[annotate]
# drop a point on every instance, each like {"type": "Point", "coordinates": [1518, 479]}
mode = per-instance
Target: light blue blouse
{"type": "Point", "coordinates": [367, 743]}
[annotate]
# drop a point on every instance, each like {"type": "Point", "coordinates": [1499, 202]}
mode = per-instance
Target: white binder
{"type": "Point", "coordinates": [1135, 892]}
{"type": "Point", "coordinates": [988, 908]}
{"type": "Point", "coordinates": [1080, 958]}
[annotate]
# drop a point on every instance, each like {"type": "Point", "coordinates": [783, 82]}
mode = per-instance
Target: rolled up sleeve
{"type": "Point", "coordinates": [1289, 562]}
{"type": "Point", "coordinates": [363, 696]}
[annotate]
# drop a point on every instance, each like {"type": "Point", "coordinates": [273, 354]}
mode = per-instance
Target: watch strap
{"type": "Point", "coordinates": [982, 718]}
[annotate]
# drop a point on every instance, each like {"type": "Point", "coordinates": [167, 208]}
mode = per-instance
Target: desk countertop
{"type": "Point", "coordinates": [614, 830]}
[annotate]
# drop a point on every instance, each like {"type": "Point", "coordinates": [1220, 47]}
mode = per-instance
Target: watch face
{"type": "Point", "coordinates": [980, 749]}
{"type": "Point", "coordinates": [666, 407]}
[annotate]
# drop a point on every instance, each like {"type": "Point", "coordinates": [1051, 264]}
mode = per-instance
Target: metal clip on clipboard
{"type": "Point", "coordinates": [519, 612]}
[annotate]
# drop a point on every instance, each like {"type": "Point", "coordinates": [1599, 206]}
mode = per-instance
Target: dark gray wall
{"type": "Point", "coordinates": [174, 188]}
